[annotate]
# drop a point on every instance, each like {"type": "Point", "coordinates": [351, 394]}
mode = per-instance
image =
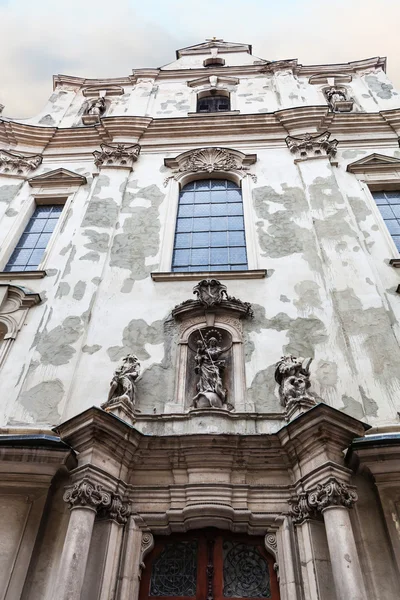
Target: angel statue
{"type": "Point", "coordinates": [293, 376]}
{"type": "Point", "coordinates": [334, 94]}
{"type": "Point", "coordinates": [209, 368]}
{"type": "Point", "coordinates": [122, 388]}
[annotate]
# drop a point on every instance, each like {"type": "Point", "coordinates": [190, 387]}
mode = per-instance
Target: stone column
{"type": "Point", "coordinates": [333, 498]}
{"type": "Point", "coordinates": [84, 499]}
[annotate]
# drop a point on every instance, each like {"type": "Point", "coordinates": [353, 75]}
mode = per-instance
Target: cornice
{"type": "Point", "coordinates": [379, 129]}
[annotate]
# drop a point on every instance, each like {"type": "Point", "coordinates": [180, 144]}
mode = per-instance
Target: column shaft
{"type": "Point", "coordinates": [75, 553]}
{"type": "Point", "coordinates": [346, 568]}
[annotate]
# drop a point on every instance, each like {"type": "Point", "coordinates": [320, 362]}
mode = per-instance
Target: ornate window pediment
{"type": "Point", "coordinates": [15, 302]}
{"type": "Point", "coordinates": [57, 178]}
{"type": "Point", "coordinates": [377, 170]}
{"type": "Point", "coordinates": [210, 160]}
{"type": "Point", "coordinates": [17, 164]}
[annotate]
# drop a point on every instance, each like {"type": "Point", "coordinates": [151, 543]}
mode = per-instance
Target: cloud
{"type": "Point", "coordinates": [108, 38]}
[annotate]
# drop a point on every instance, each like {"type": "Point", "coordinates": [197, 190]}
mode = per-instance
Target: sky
{"type": "Point", "coordinates": [109, 38]}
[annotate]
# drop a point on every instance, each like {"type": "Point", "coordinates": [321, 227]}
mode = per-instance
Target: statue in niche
{"type": "Point", "coordinates": [96, 107]}
{"type": "Point", "coordinates": [122, 388]}
{"type": "Point", "coordinates": [293, 376]}
{"type": "Point", "coordinates": [209, 367]}
{"type": "Point", "coordinates": [334, 95]}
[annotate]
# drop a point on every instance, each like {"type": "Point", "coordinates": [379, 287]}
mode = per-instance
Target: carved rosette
{"type": "Point", "coordinates": [117, 156]}
{"type": "Point", "coordinates": [86, 494]}
{"type": "Point", "coordinates": [210, 160]}
{"type": "Point", "coordinates": [308, 146]}
{"type": "Point", "coordinates": [332, 493]}
{"type": "Point", "coordinates": [15, 163]}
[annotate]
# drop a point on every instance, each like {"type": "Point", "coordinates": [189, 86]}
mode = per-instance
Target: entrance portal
{"type": "Point", "coordinates": [209, 564]}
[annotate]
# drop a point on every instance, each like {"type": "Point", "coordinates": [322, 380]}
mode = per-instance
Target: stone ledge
{"type": "Point", "coordinates": [395, 262]}
{"type": "Point", "coordinates": [196, 275]}
{"type": "Point", "coordinates": [228, 113]}
{"type": "Point", "coordinates": [10, 275]}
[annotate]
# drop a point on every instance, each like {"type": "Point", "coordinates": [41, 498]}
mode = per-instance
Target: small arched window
{"type": "Point", "coordinates": [210, 233]}
{"type": "Point", "coordinates": [213, 102]}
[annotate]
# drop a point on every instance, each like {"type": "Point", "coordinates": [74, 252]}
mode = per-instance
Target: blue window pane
{"type": "Point", "coordinates": [236, 238]}
{"type": "Point", "coordinates": [213, 238]}
{"type": "Point", "coordinates": [36, 257]}
{"type": "Point", "coordinates": [183, 240]}
{"type": "Point", "coordinates": [181, 257]}
{"type": "Point", "coordinates": [28, 240]}
{"type": "Point", "coordinates": [218, 184]}
{"type": "Point", "coordinates": [238, 267]}
{"type": "Point", "coordinates": [201, 224]}
{"type": "Point", "coordinates": [235, 209]}
{"type": "Point", "coordinates": [396, 239]}
{"type": "Point", "coordinates": [219, 256]}
{"type": "Point", "coordinates": [202, 197]}
{"type": "Point", "coordinates": [186, 198]}
{"type": "Point", "coordinates": [236, 223]}
{"type": "Point", "coordinates": [396, 210]}
{"type": "Point", "coordinates": [379, 196]}
{"type": "Point", "coordinates": [201, 210]}
{"type": "Point", "coordinates": [181, 269]}
{"type": "Point", "coordinates": [393, 197]}
{"type": "Point", "coordinates": [393, 226]}
{"type": "Point", "coordinates": [237, 255]}
{"type": "Point", "coordinates": [218, 209]}
{"type": "Point", "coordinates": [183, 225]}
{"type": "Point", "coordinates": [203, 184]}
{"type": "Point", "coordinates": [31, 246]}
{"type": "Point", "coordinates": [200, 256]}
{"type": "Point", "coordinates": [219, 238]}
{"type": "Point", "coordinates": [219, 223]}
{"type": "Point", "coordinates": [233, 196]}
{"type": "Point", "coordinates": [189, 186]}
{"type": "Point", "coordinates": [386, 211]}
{"type": "Point", "coordinates": [218, 196]}
{"type": "Point", "coordinates": [37, 225]}
{"type": "Point", "coordinates": [201, 239]}
{"type": "Point", "coordinates": [186, 210]}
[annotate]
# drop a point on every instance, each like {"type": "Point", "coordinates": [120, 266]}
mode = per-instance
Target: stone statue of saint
{"type": "Point", "coordinates": [97, 107]}
{"type": "Point", "coordinates": [122, 387]}
{"type": "Point", "coordinates": [209, 368]}
{"type": "Point", "coordinates": [334, 94]}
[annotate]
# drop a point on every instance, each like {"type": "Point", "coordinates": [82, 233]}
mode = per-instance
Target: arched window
{"type": "Point", "coordinates": [213, 102]}
{"type": "Point", "coordinates": [209, 233]}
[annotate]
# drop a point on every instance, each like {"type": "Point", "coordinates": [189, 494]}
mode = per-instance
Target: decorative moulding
{"type": "Point", "coordinates": [213, 81]}
{"type": "Point", "coordinates": [374, 163]}
{"type": "Point", "coordinates": [330, 78]}
{"type": "Point", "coordinates": [210, 160]}
{"type": "Point", "coordinates": [308, 146]}
{"type": "Point", "coordinates": [57, 178]}
{"type": "Point", "coordinates": [10, 275]}
{"type": "Point", "coordinates": [194, 276]}
{"type": "Point", "coordinates": [95, 91]}
{"type": "Point", "coordinates": [119, 156]}
{"type": "Point", "coordinates": [14, 163]}
{"type": "Point", "coordinates": [90, 119]}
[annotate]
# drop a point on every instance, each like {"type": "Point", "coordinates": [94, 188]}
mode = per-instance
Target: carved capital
{"type": "Point", "coordinates": [117, 510]}
{"type": "Point", "coordinates": [332, 493]}
{"type": "Point", "coordinates": [300, 509]}
{"type": "Point", "coordinates": [15, 163]}
{"type": "Point", "coordinates": [117, 156]}
{"type": "Point", "coordinates": [86, 494]}
{"type": "Point", "coordinates": [210, 160]}
{"type": "Point", "coordinates": [308, 146]}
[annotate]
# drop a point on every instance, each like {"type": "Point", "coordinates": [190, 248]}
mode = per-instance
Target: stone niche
{"type": "Point", "coordinates": [210, 358]}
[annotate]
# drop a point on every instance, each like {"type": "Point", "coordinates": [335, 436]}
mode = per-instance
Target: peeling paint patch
{"type": "Point", "coordinates": [10, 212]}
{"type": "Point", "coordinates": [101, 212]}
{"type": "Point", "coordinates": [41, 401]}
{"type": "Point", "coordinates": [79, 290]}
{"type": "Point", "coordinates": [352, 407]}
{"type": "Point", "coordinates": [370, 406]}
{"type": "Point", "coordinates": [326, 373]}
{"type": "Point", "coordinates": [47, 120]}
{"type": "Point", "coordinates": [98, 241]}
{"type": "Point", "coordinates": [262, 391]}
{"type": "Point", "coordinates": [93, 256]}
{"type": "Point", "coordinates": [55, 346]}
{"type": "Point", "coordinates": [353, 153]}
{"type": "Point", "coordinates": [91, 349]}
{"type": "Point", "coordinates": [380, 88]}
{"type": "Point", "coordinates": [63, 289]}
{"type": "Point", "coordinates": [8, 192]}
{"type": "Point", "coordinates": [360, 208]}
{"type": "Point", "coordinates": [308, 293]}
{"type": "Point", "coordinates": [284, 298]}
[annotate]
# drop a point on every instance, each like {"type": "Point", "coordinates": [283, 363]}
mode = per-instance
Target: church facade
{"type": "Point", "coordinates": [199, 334]}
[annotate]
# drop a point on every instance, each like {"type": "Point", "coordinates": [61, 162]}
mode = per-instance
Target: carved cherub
{"type": "Point", "coordinates": [293, 376]}
{"type": "Point", "coordinates": [122, 386]}
{"type": "Point", "coordinates": [97, 106]}
{"type": "Point", "coordinates": [334, 94]}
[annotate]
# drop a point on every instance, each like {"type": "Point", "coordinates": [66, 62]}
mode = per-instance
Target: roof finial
{"type": "Point", "coordinates": [214, 39]}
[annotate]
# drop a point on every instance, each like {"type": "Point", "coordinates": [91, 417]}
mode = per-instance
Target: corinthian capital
{"type": "Point", "coordinates": [116, 155]}
{"type": "Point", "coordinates": [300, 509]}
{"type": "Point", "coordinates": [332, 493]}
{"type": "Point", "coordinates": [118, 510]}
{"type": "Point", "coordinates": [86, 494]}
{"type": "Point", "coordinates": [309, 146]}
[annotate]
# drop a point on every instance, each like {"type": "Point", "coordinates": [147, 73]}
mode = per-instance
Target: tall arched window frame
{"type": "Point", "coordinates": [210, 232]}
{"type": "Point", "coordinates": [198, 166]}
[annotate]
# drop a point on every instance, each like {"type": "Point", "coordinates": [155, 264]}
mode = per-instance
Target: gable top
{"type": "Point", "coordinates": [214, 43]}
{"type": "Point", "coordinates": [373, 161]}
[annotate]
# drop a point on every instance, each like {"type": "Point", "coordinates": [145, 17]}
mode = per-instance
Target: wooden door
{"type": "Point", "coordinates": [209, 564]}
